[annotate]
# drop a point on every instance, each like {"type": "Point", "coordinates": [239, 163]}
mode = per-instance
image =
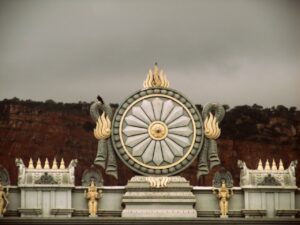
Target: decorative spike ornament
{"type": "Point", "coordinates": [38, 164]}
{"type": "Point", "coordinates": [62, 164]}
{"type": "Point", "coordinates": [274, 166]}
{"type": "Point", "coordinates": [30, 166]}
{"type": "Point", "coordinates": [260, 166]}
{"type": "Point", "coordinates": [267, 166]}
{"type": "Point", "coordinates": [54, 164]}
{"type": "Point", "coordinates": [157, 79]}
{"type": "Point", "coordinates": [46, 165]}
{"type": "Point", "coordinates": [280, 165]}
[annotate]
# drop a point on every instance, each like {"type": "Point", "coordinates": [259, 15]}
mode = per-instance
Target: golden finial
{"type": "Point", "coordinates": [54, 165]}
{"type": "Point", "coordinates": [260, 166]}
{"type": "Point", "coordinates": [38, 164]}
{"type": "Point", "coordinates": [46, 166]}
{"type": "Point", "coordinates": [280, 165]}
{"type": "Point", "coordinates": [62, 164]}
{"type": "Point", "coordinates": [267, 166]}
{"type": "Point", "coordinates": [30, 166]}
{"type": "Point", "coordinates": [157, 78]}
{"type": "Point", "coordinates": [274, 166]}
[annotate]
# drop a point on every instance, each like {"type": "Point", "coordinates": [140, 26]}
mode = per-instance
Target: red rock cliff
{"type": "Point", "coordinates": [37, 129]}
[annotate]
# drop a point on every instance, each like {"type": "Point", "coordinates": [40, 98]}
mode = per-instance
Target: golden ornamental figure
{"type": "Point", "coordinates": [223, 195]}
{"type": "Point", "coordinates": [3, 200]}
{"type": "Point", "coordinates": [93, 196]}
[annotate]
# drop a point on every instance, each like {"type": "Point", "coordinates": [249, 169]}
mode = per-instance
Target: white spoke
{"type": "Point", "coordinates": [157, 157]}
{"type": "Point", "coordinates": [129, 131]}
{"type": "Point", "coordinates": [148, 154]}
{"type": "Point", "coordinates": [180, 122]}
{"type": "Point", "coordinates": [147, 147]}
{"type": "Point", "coordinates": [175, 148]}
{"type": "Point", "coordinates": [132, 120]}
{"type": "Point", "coordinates": [147, 107]}
{"type": "Point", "coordinates": [168, 154]}
{"type": "Point", "coordinates": [182, 141]}
{"type": "Point", "coordinates": [176, 112]}
{"type": "Point", "coordinates": [183, 131]}
{"type": "Point", "coordinates": [157, 106]}
{"type": "Point", "coordinates": [139, 149]}
{"type": "Point", "coordinates": [167, 108]}
{"type": "Point", "coordinates": [140, 114]}
{"type": "Point", "coordinates": [134, 140]}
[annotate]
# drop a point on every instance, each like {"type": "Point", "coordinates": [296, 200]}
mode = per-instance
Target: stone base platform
{"type": "Point", "coordinates": [158, 197]}
{"type": "Point", "coordinates": [143, 221]}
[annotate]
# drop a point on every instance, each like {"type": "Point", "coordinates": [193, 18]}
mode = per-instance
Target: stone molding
{"type": "Point", "coordinates": [61, 211]}
{"type": "Point", "coordinates": [254, 212]}
{"type": "Point", "coordinates": [287, 212]}
{"type": "Point", "coordinates": [146, 221]}
{"type": "Point", "coordinates": [30, 211]}
{"type": "Point", "coordinates": [158, 213]}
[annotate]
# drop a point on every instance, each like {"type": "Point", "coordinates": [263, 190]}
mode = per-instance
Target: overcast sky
{"type": "Point", "coordinates": [232, 52]}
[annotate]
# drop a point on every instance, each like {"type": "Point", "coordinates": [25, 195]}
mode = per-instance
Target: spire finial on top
{"type": "Point", "coordinates": [157, 78]}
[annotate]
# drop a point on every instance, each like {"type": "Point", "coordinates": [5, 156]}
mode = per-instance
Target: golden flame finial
{"type": "Point", "coordinates": [211, 127]}
{"type": "Point", "coordinates": [157, 78]}
{"type": "Point", "coordinates": [103, 127]}
{"type": "Point", "coordinates": [260, 165]}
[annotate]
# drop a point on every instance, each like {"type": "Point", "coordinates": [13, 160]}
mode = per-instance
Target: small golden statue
{"type": "Point", "coordinates": [3, 200]}
{"type": "Point", "coordinates": [223, 195]}
{"type": "Point", "coordinates": [93, 196]}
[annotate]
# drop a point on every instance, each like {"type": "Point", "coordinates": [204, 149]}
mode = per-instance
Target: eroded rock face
{"type": "Point", "coordinates": [36, 129]}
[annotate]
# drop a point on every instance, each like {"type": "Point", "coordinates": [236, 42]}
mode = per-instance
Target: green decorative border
{"type": "Point", "coordinates": [183, 164]}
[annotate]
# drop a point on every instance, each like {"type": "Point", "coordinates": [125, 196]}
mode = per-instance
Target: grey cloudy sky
{"type": "Point", "coordinates": [232, 52]}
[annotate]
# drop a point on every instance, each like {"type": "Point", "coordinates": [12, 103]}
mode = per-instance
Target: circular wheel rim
{"type": "Point", "coordinates": [124, 145]}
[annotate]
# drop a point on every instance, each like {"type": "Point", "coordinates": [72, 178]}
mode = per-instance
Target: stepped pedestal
{"type": "Point", "coordinates": [159, 197]}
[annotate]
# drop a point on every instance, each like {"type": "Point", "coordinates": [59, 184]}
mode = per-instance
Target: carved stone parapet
{"type": "Point", "coordinates": [268, 188]}
{"type": "Point", "coordinates": [268, 176]}
{"type": "Point", "coordinates": [36, 176]}
{"type": "Point", "coordinates": [46, 191]}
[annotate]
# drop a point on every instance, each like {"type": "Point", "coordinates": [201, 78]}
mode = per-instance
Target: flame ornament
{"type": "Point", "coordinates": [211, 127]}
{"type": "Point", "coordinates": [157, 78]}
{"type": "Point", "coordinates": [158, 182]}
{"type": "Point", "coordinates": [209, 155]}
{"type": "Point", "coordinates": [103, 127]}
